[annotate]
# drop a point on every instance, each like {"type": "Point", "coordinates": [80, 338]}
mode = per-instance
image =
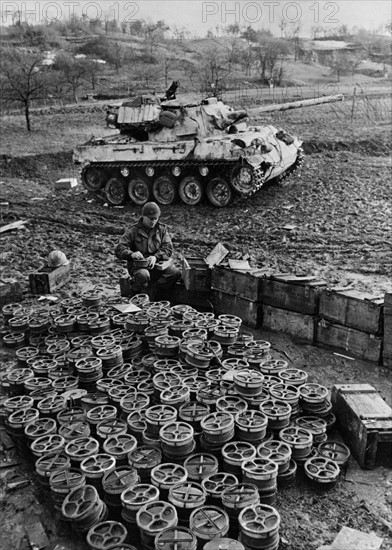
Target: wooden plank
{"type": "Point", "coordinates": [357, 343]}
{"type": "Point", "coordinates": [300, 327]}
{"type": "Point", "coordinates": [243, 265]}
{"type": "Point", "coordinates": [48, 279]}
{"type": "Point", "coordinates": [293, 294]}
{"type": "Point", "coordinates": [250, 312]}
{"type": "Point", "coordinates": [352, 308]}
{"type": "Point", "coordinates": [216, 255]}
{"type": "Point", "coordinates": [356, 388]}
{"type": "Point", "coordinates": [289, 278]}
{"type": "Point", "coordinates": [14, 225]}
{"type": "Point", "coordinates": [245, 285]}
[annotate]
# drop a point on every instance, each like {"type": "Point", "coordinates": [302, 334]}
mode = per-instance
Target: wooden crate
{"type": "Point", "coordinates": [49, 279]}
{"type": "Point", "coordinates": [349, 341]}
{"type": "Point", "coordinates": [125, 286]}
{"type": "Point", "coordinates": [387, 340]}
{"type": "Point", "coordinates": [196, 274]}
{"type": "Point", "coordinates": [365, 422]}
{"type": "Point", "coordinates": [250, 312]}
{"type": "Point", "coordinates": [300, 294]}
{"type": "Point", "coordinates": [247, 285]}
{"type": "Point", "coordinates": [300, 327]}
{"type": "Point", "coordinates": [354, 309]}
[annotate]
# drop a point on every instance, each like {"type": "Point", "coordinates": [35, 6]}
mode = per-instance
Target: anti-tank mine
{"type": "Point", "coordinates": [169, 149]}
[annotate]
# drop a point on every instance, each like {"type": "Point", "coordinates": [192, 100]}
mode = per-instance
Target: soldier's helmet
{"type": "Point", "coordinates": [56, 258]}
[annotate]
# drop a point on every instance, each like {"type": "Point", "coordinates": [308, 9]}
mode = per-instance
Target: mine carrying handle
{"type": "Point", "coordinates": [295, 104]}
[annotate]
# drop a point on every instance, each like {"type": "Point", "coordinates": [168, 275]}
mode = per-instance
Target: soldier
{"type": "Point", "coordinates": [143, 245]}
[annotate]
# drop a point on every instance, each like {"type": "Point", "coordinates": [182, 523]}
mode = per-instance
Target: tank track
{"type": "Point", "coordinates": [225, 169]}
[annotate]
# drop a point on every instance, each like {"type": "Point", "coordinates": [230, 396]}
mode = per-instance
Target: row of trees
{"type": "Point", "coordinates": [244, 51]}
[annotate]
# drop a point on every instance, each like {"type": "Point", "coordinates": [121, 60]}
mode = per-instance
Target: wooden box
{"type": "Point", "coordinates": [365, 422]}
{"type": "Point", "coordinates": [349, 341]}
{"type": "Point", "coordinates": [126, 286]}
{"type": "Point", "coordinates": [300, 294]}
{"type": "Point", "coordinates": [387, 340]}
{"type": "Point", "coordinates": [250, 312]}
{"type": "Point", "coordinates": [196, 274]}
{"type": "Point", "coordinates": [353, 308]}
{"type": "Point", "coordinates": [49, 279]}
{"type": "Point", "coordinates": [300, 327]}
{"type": "Point", "coordinates": [246, 285]}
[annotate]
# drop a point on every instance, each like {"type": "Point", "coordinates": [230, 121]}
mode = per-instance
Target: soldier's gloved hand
{"type": "Point", "coordinates": [137, 256]}
{"type": "Point", "coordinates": [151, 262]}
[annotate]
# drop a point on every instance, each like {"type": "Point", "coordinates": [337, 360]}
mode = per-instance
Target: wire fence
{"type": "Point", "coordinates": [370, 103]}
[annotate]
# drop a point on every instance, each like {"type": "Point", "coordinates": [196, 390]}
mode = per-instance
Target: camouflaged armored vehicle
{"type": "Point", "coordinates": [170, 149]}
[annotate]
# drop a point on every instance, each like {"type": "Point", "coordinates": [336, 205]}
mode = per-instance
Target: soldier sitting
{"type": "Point", "coordinates": [143, 245]}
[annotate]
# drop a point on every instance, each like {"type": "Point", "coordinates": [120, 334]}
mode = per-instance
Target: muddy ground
{"type": "Point", "coordinates": [332, 220]}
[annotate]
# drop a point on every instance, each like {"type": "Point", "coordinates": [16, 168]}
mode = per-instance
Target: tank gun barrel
{"type": "Point", "coordinates": [295, 104]}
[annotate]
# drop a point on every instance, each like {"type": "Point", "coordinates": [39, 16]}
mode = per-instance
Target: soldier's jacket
{"type": "Point", "coordinates": [156, 242]}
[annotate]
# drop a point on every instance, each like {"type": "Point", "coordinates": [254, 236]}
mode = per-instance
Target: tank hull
{"type": "Point", "coordinates": [219, 167]}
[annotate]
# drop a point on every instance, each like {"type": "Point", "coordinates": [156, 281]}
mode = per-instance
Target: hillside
{"type": "Point", "coordinates": [131, 64]}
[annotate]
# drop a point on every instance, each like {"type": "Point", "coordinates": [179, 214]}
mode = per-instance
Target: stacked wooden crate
{"type": "Point", "coordinates": [238, 293]}
{"type": "Point", "coordinates": [290, 305]}
{"type": "Point", "coordinates": [347, 321]}
{"type": "Point", "coordinates": [351, 322]}
{"type": "Point", "coordinates": [387, 340]}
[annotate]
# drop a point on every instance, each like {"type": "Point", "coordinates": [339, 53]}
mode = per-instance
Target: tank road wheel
{"type": "Point", "coordinates": [191, 190]}
{"type": "Point", "coordinates": [164, 190]}
{"type": "Point", "coordinates": [243, 179]}
{"type": "Point", "coordinates": [219, 192]}
{"type": "Point", "coordinates": [139, 190]}
{"type": "Point", "coordinates": [116, 191]}
{"type": "Point", "coordinates": [93, 178]}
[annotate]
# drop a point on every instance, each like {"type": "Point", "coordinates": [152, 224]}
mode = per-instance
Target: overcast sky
{"type": "Point", "coordinates": [200, 15]}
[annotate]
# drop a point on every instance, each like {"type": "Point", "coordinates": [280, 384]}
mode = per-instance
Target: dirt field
{"type": "Point", "coordinates": [333, 220]}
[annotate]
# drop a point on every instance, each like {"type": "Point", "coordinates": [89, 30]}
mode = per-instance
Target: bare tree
{"type": "Point", "coordinates": [74, 72]}
{"type": "Point", "coordinates": [344, 62]}
{"type": "Point", "coordinates": [283, 26]}
{"type": "Point", "coordinates": [233, 52]}
{"type": "Point", "coordinates": [167, 63]}
{"type": "Point", "coordinates": [155, 33]}
{"type": "Point", "coordinates": [269, 51]}
{"type": "Point", "coordinates": [293, 35]}
{"type": "Point", "coordinates": [22, 78]}
{"type": "Point", "coordinates": [214, 70]}
{"type": "Point", "coordinates": [233, 30]}
{"type": "Point", "coordinates": [116, 55]}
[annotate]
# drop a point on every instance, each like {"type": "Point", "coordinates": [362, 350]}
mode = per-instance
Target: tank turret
{"type": "Point", "coordinates": [166, 147]}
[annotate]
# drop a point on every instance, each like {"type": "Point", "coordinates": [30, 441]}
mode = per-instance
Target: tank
{"type": "Point", "coordinates": [166, 149]}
